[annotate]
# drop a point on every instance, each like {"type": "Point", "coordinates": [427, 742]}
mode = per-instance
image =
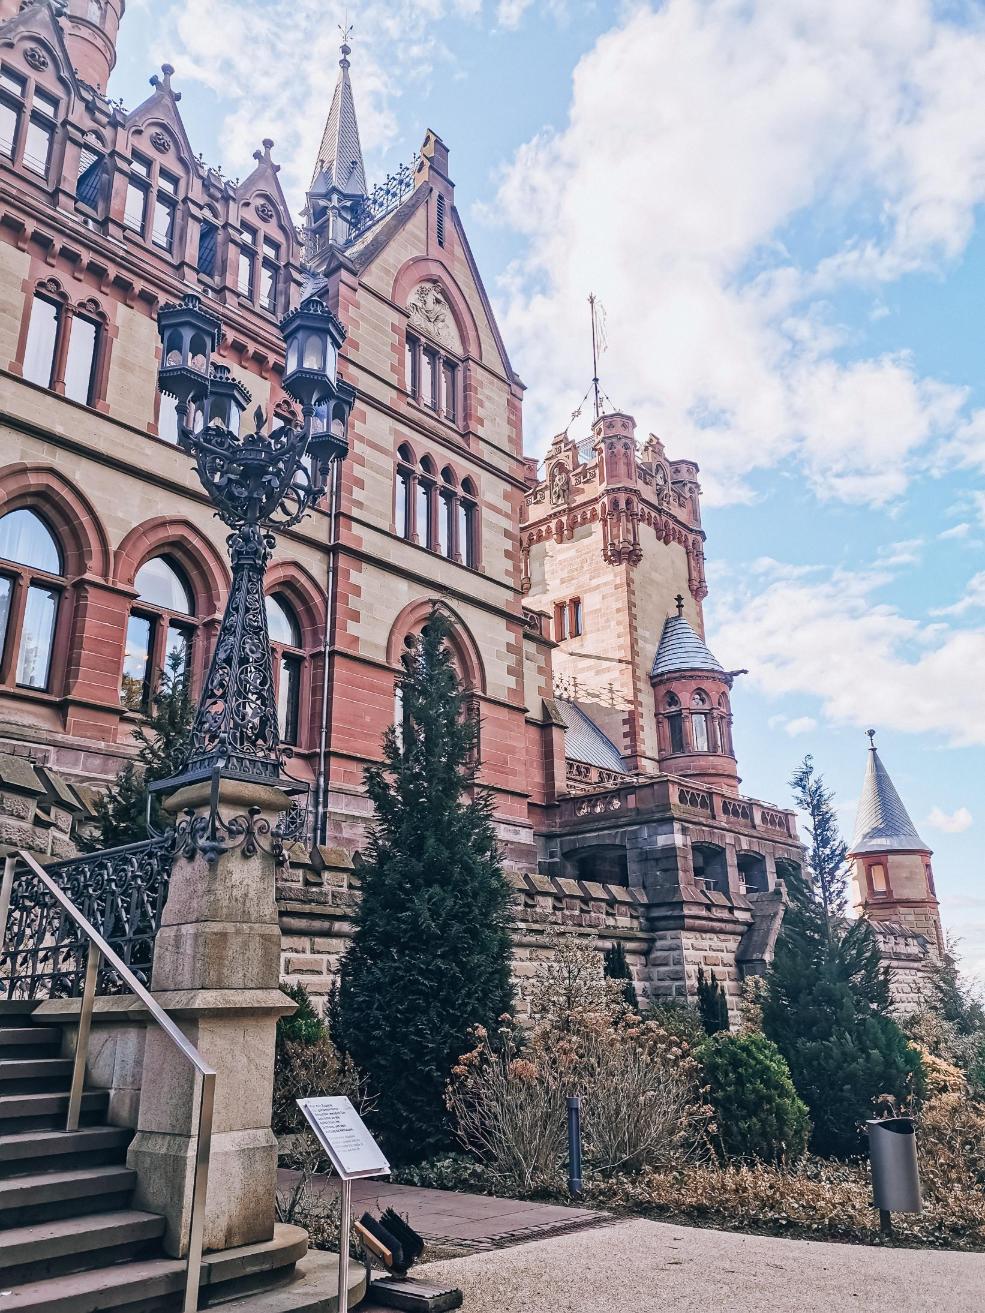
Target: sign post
{"type": "Point", "coordinates": [354, 1154]}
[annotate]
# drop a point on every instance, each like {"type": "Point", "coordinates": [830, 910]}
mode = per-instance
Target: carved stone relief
{"type": "Point", "coordinates": [431, 314]}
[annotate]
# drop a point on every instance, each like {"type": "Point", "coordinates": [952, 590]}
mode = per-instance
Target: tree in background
{"type": "Point", "coordinates": [712, 1003]}
{"type": "Point", "coordinates": [430, 955]}
{"type": "Point", "coordinates": [617, 968]}
{"type": "Point", "coordinates": [828, 851]}
{"type": "Point", "coordinates": [826, 1004]}
{"type": "Point", "coordinates": [163, 740]}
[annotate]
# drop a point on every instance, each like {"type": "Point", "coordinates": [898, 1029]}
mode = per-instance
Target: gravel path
{"type": "Point", "coordinates": [642, 1267]}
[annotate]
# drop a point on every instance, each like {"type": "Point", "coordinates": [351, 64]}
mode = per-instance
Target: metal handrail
{"type": "Point", "coordinates": [98, 950]}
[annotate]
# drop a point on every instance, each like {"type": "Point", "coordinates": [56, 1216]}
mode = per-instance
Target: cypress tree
{"type": "Point", "coordinates": [163, 739]}
{"type": "Point", "coordinates": [430, 954]}
{"type": "Point", "coordinates": [827, 1000]}
{"type": "Point", "coordinates": [828, 851]}
{"type": "Point", "coordinates": [617, 968]}
{"type": "Point", "coordinates": [712, 1003]}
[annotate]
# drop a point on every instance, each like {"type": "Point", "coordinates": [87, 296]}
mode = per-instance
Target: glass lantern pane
{"type": "Point", "coordinates": [314, 351]}
{"type": "Point", "coordinates": [294, 355]}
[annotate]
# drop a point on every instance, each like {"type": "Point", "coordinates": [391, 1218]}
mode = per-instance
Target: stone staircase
{"type": "Point", "coordinates": [71, 1240]}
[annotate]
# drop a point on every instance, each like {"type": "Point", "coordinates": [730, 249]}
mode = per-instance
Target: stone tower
{"type": "Point", "coordinates": [338, 184]}
{"type": "Point", "coordinates": [89, 29]}
{"type": "Point", "coordinates": [893, 876]}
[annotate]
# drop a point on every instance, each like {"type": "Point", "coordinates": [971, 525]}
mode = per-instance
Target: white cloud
{"type": "Point", "coordinates": [950, 822]}
{"type": "Point", "coordinates": [699, 137]}
{"type": "Point", "coordinates": [800, 725]}
{"type": "Point", "coordinates": [908, 552]}
{"type": "Point", "coordinates": [867, 662]}
{"type": "Point", "coordinates": [510, 12]}
{"type": "Point", "coordinates": [973, 598]}
{"type": "Point", "coordinates": [956, 531]}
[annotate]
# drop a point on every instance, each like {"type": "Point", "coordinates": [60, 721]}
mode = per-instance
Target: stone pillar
{"type": "Point", "coordinates": [216, 973]}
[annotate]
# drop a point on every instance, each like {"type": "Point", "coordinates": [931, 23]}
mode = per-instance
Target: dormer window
{"type": "Point", "coordinates": [269, 269]}
{"type": "Point", "coordinates": [208, 242]}
{"type": "Point", "coordinates": [12, 91]}
{"type": "Point", "coordinates": [877, 877]}
{"type": "Point", "coordinates": [247, 262]}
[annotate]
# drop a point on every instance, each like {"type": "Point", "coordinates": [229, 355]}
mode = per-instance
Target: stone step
{"type": "Point", "coordinates": [25, 1075]}
{"type": "Point", "coordinates": [25, 1112]}
{"type": "Point", "coordinates": [231, 1278]}
{"type": "Point", "coordinates": [16, 1039]}
{"type": "Point", "coordinates": [29, 1151]}
{"type": "Point", "coordinates": [146, 1284]}
{"type": "Point", "coordinates": [64, 1193]}
{"type": "Point", "coordinates": [43, 1250]}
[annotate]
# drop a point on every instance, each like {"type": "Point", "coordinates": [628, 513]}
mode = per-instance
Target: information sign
{"type": "Point", "coordinates": [344, 1136]}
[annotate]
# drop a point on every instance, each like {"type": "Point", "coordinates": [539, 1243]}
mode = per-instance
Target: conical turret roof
{"type": "Point", "coordinates": [340, 157]}
{"type": "Point", "coordinates": [882, 823]}
{"type": "Point", "coordinates": [680, 649]}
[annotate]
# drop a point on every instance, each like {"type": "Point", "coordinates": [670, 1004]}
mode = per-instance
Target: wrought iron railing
{"type": "Point", "coordinates": [22, 873]}
{"type": "Point", "coordinates": [384, 198]}
{"type": "Point", "coordinates": [120, 891]}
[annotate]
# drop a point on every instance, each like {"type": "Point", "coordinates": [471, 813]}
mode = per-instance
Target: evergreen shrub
{"type": "Point", "coordinates": [758, 1114]}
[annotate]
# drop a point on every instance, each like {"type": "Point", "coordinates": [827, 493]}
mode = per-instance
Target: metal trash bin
{"type": "Point", "coordinates": [895, 1173]}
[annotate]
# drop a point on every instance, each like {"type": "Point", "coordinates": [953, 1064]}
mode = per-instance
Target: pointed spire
{"type": "Point", "coordinates": [882, 823]}
{"type": "Point", "coordinates": [681, 648]}
{"type": "Point", "coordinates": [340, 158]}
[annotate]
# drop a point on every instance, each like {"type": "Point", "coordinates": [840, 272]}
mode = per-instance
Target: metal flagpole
{"type": "Point", "coordinates": [595, 359]}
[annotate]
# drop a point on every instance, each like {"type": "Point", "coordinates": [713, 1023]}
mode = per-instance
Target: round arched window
{"type": "Point", "coordinates": [160, 632]}
{"type": "Point", "coordinates": [288, 663]}
{"type": "Point", "coordinates": [30, 591]}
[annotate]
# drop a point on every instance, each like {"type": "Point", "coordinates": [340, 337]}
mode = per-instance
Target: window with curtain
{"type": "Point", "coordinates": [80, 363]}
{"type": "Point", "coordinates": [31, 587]}
{"type": "Point", "coordinates": [160, 631]}
{"type": "Point", "coordinates": [42, 339]}
{"type": "Point", "coordinates": [288, 662]}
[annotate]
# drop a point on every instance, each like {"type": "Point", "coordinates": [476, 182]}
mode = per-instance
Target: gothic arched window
{"type": "Point", "coordinates": [31, 586]}
{"type": "Point", "coordinates": [160, 631]}
{"type": "Point", "coordinates": [285, 643]}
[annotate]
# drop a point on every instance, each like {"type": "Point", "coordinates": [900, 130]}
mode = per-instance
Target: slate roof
{"type": "Point", "coordinates": [340, 157]}
{"type": "Point", "coordinates": [882, 823]}
{"type": "Point", "coordinates": [584, 741]}
{"type": "Point", "coordinates": [680, 648]}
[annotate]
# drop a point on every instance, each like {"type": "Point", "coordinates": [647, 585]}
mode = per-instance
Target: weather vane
{"type": "Point", "coordinates": [872, 738]}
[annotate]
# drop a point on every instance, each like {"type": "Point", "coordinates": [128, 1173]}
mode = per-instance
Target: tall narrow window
{"type": "Point", "coordinates": [429, 381]}
{"type": "Point", "coordinates": [165, 210]}
{"type": "Point", "coordinates": [449, 391]}
{"type": "Point", "coordinates": [80, 365]}
{"type": "Point", "coordinates": [40, 132]}
{"type": "Point", "coordinates": [880, 886]}
{"type": "Point", "coordinates": [247, 250]}
{"type": "Point", "coordinates": [468, 525]}
{"type": "Point", "coordinates": [446, 524]}
{"type": "Point", "coordinates": [42, 336]}
{"type": "Point", "coordinates": [285, 642]}
{"type": "Point", "coordinates": [411, 358]}
{"type": "Point", "coordinates": [35, 567]}
{"type": "Point", "coordinates": [208, 241]}
{"type": "Point", "coordinates": [268, 274]}
{"type": "Point", "coordinates": [159, 632]}
{"type": "Point", "coordinates": [424, 492]}
{"type": "Point", "coordinates": [403, 504]}
{"type": "Point", "coordinates": [138, 186]}
{"type": "Point", "coordinates": [9, 121]}
{"type": "Point", "coordinates": [577, 627]}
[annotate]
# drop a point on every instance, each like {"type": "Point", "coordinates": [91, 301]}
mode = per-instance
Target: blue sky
{"type": "Point", "coordinates": [780, 204]}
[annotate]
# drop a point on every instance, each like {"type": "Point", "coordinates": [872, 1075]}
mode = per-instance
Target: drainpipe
{"type": "Point", "coordinates": [320, 830]}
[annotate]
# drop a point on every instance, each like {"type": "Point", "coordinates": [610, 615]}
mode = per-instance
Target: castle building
{"type": "Point", "coordinates": [893, 882]}
{"type": "Point", "coordinates": [575, 593]}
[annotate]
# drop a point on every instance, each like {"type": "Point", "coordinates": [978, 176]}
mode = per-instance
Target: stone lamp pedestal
{"type": "Point", "coordinates": [216, 972]}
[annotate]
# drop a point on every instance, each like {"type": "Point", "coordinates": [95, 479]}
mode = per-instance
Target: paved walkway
{"type": "Point", "coordinates": [641, 1266]}
{"type": "Point", "coordinates": [470, 1220]}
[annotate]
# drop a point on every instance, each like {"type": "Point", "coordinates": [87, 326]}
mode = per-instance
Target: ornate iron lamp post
{"type": "Point", "coordinates": [259, 483]}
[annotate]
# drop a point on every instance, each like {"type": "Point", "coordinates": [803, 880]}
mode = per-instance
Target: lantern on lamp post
{"type": "Point", "coordinates": [259, 482]}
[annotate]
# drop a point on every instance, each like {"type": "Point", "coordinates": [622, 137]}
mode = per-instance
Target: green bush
{"type": "Point", "coordinates": [682, 1020]}
{"type": "Point", "coordinates": [758, 1113]}
{"type": "Point", "coordinates": [712, 1003]}
{"type": "Point", "coordinates": [304, 1026]}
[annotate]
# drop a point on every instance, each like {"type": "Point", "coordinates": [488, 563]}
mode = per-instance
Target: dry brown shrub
{"type": "Point", "coordinates": [305, 1070]}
